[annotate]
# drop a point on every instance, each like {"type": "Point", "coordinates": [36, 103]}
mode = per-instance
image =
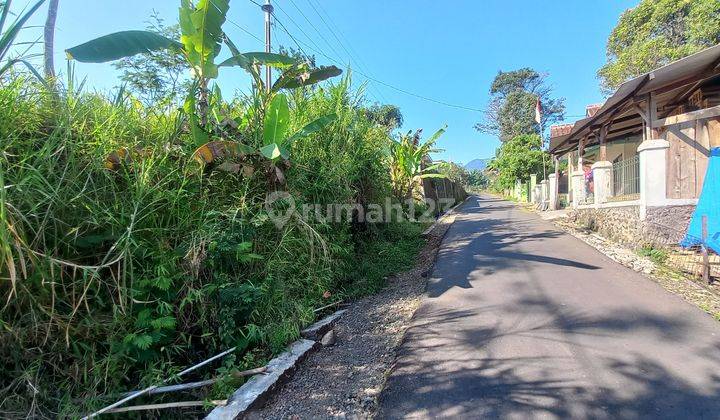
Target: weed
{"type": "Point", "coordinates": [658, 256]}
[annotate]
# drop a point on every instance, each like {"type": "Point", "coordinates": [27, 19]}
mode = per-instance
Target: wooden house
{"type": "Point", "coordinates": [644, 151]}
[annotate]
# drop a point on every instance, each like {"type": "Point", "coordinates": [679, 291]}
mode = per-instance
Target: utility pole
{"type": "Point", "coordinates": [268, 9]}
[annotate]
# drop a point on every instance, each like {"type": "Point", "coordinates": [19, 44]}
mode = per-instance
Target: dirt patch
{"type": "Point", "coordinates": [344, 380]}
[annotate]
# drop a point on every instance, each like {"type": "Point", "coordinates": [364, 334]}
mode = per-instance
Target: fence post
{"type": "Point", "coordinates": [578, 187]}
{"type": "Point", "coordinates": [531, 189]}
{"type": "Point", "coordinates": [603, 179]}
{"type": "Point", "coordinates": [544, 197]}
{"type": "Point", "coordinates": [553, 186]}
{"type": "Point", "coordinates": [706, 257]}
{"type": "Point", "coordinates": [653, 173]}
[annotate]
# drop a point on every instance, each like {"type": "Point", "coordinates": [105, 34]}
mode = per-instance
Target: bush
{"type": "Point", "coordinates": [115, 279]}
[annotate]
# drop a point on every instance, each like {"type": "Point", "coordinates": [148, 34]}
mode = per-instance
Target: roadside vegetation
{"type": "Point", "coordinates": [510, 116]}
{"type": "Point", "coordinates": [477, 181]}
{"type": "Point", "coordinates": [655, 33]}
{"type": "Point", "coordinates": [135, 239]}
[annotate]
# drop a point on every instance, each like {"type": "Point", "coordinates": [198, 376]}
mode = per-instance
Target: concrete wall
{"type": "Point", "coordinates": [441, 188]}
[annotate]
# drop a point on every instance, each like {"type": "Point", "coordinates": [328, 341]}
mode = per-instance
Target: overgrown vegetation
{"type": "Point", "coordinates": [478, 180]}
{"type": "Point", "coordinates": [135, 239]}
{"type": "Point", "coordinates": [409, 163]}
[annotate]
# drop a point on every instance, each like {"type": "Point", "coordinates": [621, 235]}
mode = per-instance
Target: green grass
{"type": "Point", "coordinates": [658, 256]}
{"type": "Point", "coordinates": [115, 279]}
{"type": "Point", "coordinates": [392, 251]}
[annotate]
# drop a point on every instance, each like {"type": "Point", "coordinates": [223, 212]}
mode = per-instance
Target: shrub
{"type": "Point", "coordinates": [123, 260]}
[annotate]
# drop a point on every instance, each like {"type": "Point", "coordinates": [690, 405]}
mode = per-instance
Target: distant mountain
{"type": "Point", "coordinates": [477, 164]}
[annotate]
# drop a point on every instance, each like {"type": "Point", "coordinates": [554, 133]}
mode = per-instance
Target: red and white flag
{"type": "Point", "coordinates": [538, 111]}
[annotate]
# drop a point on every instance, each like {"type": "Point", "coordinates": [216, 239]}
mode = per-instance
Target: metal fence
{"type": "Point", "coordinates": [626, 179]}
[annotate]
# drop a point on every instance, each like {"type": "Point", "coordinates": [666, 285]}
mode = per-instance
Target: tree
{"type": "Point", "coordinates": [511, 111]}
{"type": "Point", "coordinates": [454, 172]}
{"type": "Point", "coordinates": [157, 76]}
{"type": "Point", "coordinates": [655, 33]}
{"type": "Point", "coordinates": [49, 36]}
{"type": "Point", "coordinates": [517, 158]}
{"type": "Point", "coordinates": [477, 179]}
{"type": "Point", "coordinates": [386, 115]}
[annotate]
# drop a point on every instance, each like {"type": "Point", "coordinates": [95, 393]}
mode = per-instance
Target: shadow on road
{"type": "Point", "coordinates": [511, 328]}
{"type": "Point", "coordinates": [486, 247]}
{"type": "Point", "coordinates": [467, 382]}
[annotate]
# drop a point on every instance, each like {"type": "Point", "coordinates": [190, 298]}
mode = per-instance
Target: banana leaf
{"type": "Point", "coordinates": [120, 45]}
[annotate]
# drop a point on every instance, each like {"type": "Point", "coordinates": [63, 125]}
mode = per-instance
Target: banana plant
{"type": "Point", "coordinates": [200, 44]}
{"type": "Point", "coordinates": [294, 73]}
{"type": "Point", "coordinates": [276, 142]}
{"type": "Point", "coordinates": [7, 37]}
{"type": "Point", "coordinates": [407, 158]}
{"type": "Point", "coordinates": [200, 41]}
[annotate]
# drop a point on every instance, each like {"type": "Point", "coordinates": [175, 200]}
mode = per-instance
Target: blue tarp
{"type": "Point", "coordinates": [708, 205]}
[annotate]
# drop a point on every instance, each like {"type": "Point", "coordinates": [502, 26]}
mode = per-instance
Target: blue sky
{"type": "Point", "coordinates": [448, 51]}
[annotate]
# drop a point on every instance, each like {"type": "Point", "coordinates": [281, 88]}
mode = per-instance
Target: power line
{"type": "Point", "coordinates": [313, 26]}
{"type": "Point", "coordinates": [319, 51]}
{"type": "Point", "coordinates": [352, 50]}
{"type": "Point", "coordinates": [309, 38]}
{"type": "Point", "coordinates": [290, 35]}
{"type": "Point", "coordinates": [406, 92]}
{"type": "Point", "coordinates": [284, 28]}
{"type": "Point", "coordinates": [286, 31]}
{"type": "Point", "coordinates": [328, 26]}
{"type": "Point", "coordinates": [342, 45]}
{"type": "Point", "coordinates": [425, 98]}
{"type": "Point", "coordinates": [298, 26]}
{"type": "Point", "coordinates": [245, 30]}
{"type": "Point", "coordinates": [332, 49]}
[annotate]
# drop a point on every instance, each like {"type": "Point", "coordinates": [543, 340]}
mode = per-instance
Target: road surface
{"type": "Point", "coordinates": [523, 321]}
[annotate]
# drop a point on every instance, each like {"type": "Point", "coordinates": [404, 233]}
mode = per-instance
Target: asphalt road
{"type": "Point", "coordinates": [523, 321]}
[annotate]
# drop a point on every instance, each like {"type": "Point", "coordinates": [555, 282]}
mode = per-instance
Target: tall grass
{"type": "Point", "coordinates": [114, 278]}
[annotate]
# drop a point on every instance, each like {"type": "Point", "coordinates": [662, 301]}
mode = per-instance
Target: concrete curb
{"type": "Point", "coordinates": [316, 331]}
{"type": "Point", "coordinates": [257, 390]}
{"type": "Point", "coordinates": [259, 387]}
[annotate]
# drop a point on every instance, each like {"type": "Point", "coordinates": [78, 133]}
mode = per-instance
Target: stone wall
{"type": "Point", "coordinates": [667, 223]}
{"type": "Point", "coordinates": [662, 225]}
{"type": "Point", "coordinates": [616, 223]}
